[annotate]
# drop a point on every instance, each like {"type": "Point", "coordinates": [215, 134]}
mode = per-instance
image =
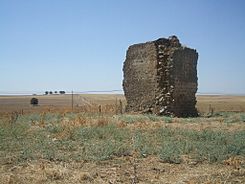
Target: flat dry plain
{"type": "Point", "coordinates": [51, 144]}
{"type": "Point", "coordinates": [56, 102]}
{"type": "Point", "coordinates": [60, 102]}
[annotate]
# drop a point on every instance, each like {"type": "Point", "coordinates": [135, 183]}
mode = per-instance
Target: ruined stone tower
{"type": "Point", "coordinates": [160, 77]}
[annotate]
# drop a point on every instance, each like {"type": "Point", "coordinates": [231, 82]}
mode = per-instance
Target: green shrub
{"type": "Point", "coordinates": [170, 152]}
{"type": "Point", "coordinates": [34, 101]}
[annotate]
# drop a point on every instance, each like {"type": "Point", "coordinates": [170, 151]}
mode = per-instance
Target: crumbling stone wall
{"type": "Point", "coordinates": [160, 77]}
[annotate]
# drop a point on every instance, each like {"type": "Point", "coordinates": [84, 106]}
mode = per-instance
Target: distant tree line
{"type": "Point", "coordinates": [55, 92]}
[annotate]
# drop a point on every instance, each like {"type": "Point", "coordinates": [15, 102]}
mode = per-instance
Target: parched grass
{"type": "Point", "coordinates": [231, 117]}
{"type": "Point", "coordinates": [212, 146]}
{"type": "Point", "coordinates": [127, 118]}
{"type": "Point", "coordinates": [58, 137]}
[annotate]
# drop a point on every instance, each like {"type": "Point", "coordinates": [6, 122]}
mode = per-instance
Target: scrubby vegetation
{"type": "Point", "coordinates": [98, 143]}
{"type": "Point", "coordinates": [68, 139]}
{"type": "Point", "coordinates": [79, 136]}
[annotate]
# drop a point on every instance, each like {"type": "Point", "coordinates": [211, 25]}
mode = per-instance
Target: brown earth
{"type": "Point", "coordinates": [122, 170]}
{"type": "Point", "coordinates": [60, 102]}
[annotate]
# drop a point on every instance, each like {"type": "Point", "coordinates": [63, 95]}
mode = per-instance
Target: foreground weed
{"type": "Point", "coordinates": [144, 118]}
{"type": "Point", "coordinates": [145, 143]}
{"type": "Point", "coordinates": [242, 116]}
{"type": "Point", "coordinates": [103, 142]}
{"type": "Point", "coordinates": [154, 118]}
{"type": "Point", "coordinates": [170, 152]}
{"type": "Point", "coordinates": [213, 146]}
{"type": "Point", "coordinates": [133, 118]}
{"type": "Point", "coordinates": [13, 117]}
{"type": "Point", "coordinates": [168, 119]}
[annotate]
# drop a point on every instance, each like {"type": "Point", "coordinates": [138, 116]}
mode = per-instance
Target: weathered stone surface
{"type": "Point", "coordinates": [160, 77]}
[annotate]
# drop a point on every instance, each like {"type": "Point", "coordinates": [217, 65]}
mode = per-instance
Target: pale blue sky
{"type": "Point", "coordinates": [81, 45]}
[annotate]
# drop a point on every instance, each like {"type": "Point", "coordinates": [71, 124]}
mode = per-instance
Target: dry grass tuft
{"type": "Point", "coordinates": [102, 121]}
{"type": "Point", "coordinates": [235, 162]}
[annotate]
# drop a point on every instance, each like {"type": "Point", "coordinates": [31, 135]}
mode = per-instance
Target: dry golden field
{"type": "Point", "coordinates": [56, 102]}
{"type": "Point", "coordinates": [94, 143]}
{"type": "Point", "coordinates": [64, 102]}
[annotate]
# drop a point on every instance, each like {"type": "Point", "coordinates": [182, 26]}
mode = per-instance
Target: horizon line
{"type": "Point", "coordinates": [114, 91]}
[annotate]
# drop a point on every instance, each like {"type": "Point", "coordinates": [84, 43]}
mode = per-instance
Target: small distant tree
{"type": "Point", "coordinates": [34, 101]}
{"type": "Point", "coordinates": [62, 92]}
{"type": "Point", "coordinates": [46, 92]}
{"type": "Point", "coordinates": [55, 92]}
{"type": "Point", "coordinates": [50, 92]}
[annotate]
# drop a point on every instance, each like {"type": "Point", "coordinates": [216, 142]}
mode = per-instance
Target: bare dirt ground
{"type": "Point", "coordinates": [121, 170]}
